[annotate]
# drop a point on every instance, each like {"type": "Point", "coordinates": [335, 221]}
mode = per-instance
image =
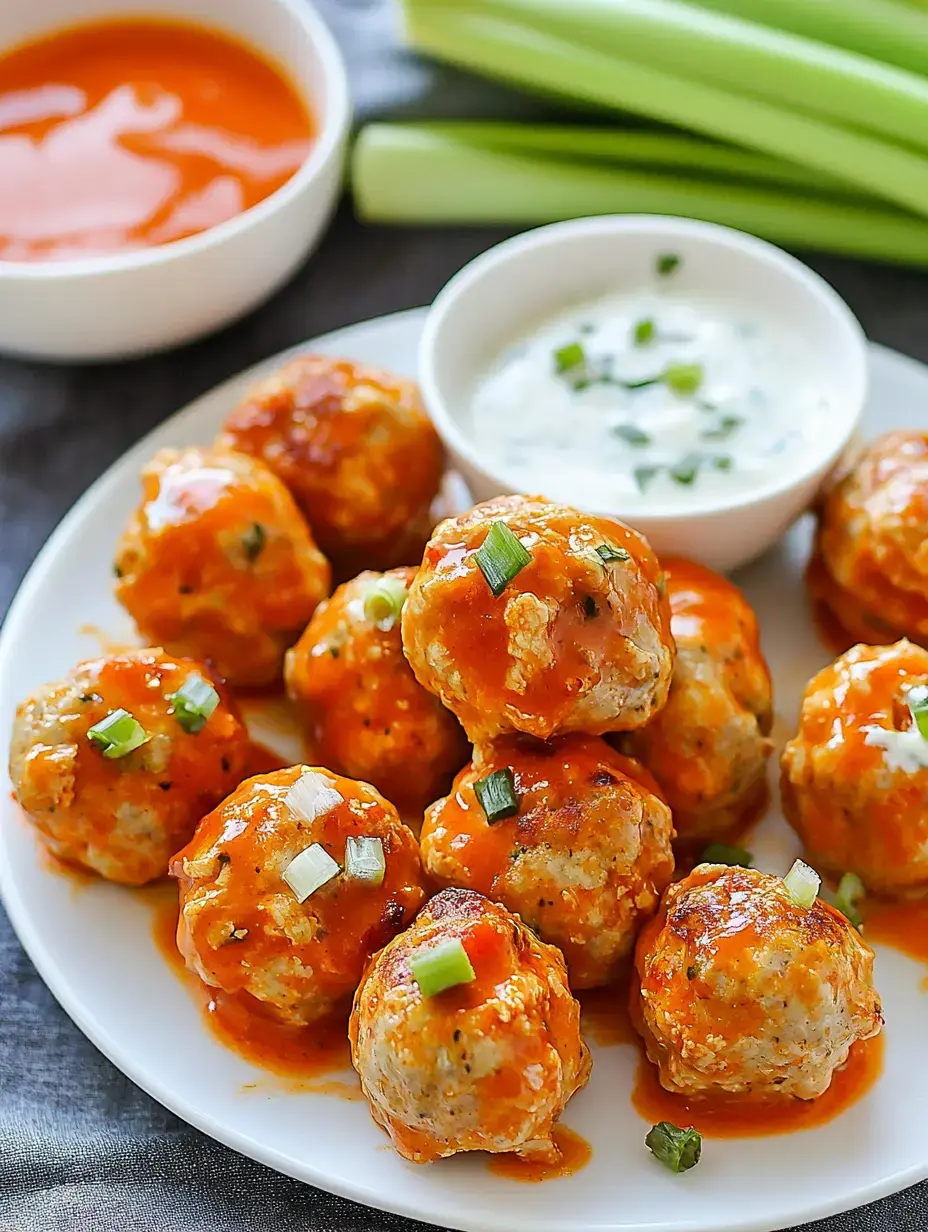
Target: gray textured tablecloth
{"type": "Point", "coordinates": [80, 1147]}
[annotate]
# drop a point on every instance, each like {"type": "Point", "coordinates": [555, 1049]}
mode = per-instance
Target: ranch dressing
{"type": "Point", "coordinates": [655, 395]}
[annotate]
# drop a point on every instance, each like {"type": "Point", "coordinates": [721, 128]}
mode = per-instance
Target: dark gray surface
{"type": "Point", "coordinates": [80, 1147]}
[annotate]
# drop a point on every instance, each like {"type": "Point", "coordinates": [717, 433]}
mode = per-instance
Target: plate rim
{"type": "Point", "coordinates": [21, 921]}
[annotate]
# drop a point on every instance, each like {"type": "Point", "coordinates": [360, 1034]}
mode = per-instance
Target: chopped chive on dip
{"type": "Point", "coordinates": [722, 853]}
{"type": "Point", "coordinates": [442, 967]}
{"type": "Point", "coordinates": [677, 1149]}
{"type": "Point", "coordinates": [667, 263]}
{"type": "Point", "coordinates": [686, 470]}
{"type": "Point", "coordinates": [917, 701]}
{"type": "Point", "coordinates": [118, 734]}
{"type": "Point", "coordinates": [683, 379]}
{"type": "Point", "coordinates": [496, 795]}
{"type": "Point", "coordinates": [608, 552]}
{"type": "Point", "coordinates": [569, 357]}
{"type": "Point", "coordinates": [194, 702]}
{"type": "Point", "coordinates": [383, 602]}
{"type": "Point", "coordinates": [631, 434]}
{"type": "Point", "coordinates": [253, 541]}
{"type": "Point", "coordinates": [644, 332]}
{"type": "Point", "coordinates": [501, 557]}
{"type": "Point", "coordinates": [723, 429]}
{"type": "Point", "coordinates": [645, 475]}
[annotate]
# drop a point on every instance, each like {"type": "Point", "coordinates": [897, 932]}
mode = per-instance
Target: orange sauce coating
{"type": "Point", "coordinates": [238, 1024]}
{"type": "Point", "coordinates": [736, 1117]}
{"type": "Point", "coordinates": [575, 1153]}
{"type": "Point", "coordinates": [604, 1015]}
{"type": "Point", "coordinates": [125, 134]}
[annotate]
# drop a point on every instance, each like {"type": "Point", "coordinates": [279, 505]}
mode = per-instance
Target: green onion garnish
{"type": "Point", "coordinates": [723, 461]}
{"type": "Point", "coordinates": [569, 357]}
{"type": "Point", "coordinates": [802, 884]}
{"type": "Point", "coordinates": [644, 475]}
{"type": "Point", "coordinates": [445, 966]}
{"type": "Point", "coordinates": [501, 557]}
{"type": "Point", "coordinates": [194, 702]}
{"type": "Point", "coordinates": [683, 379]}
{"type": "Point", "coordinates": [497, 795]}
{"type": "Point", "coordinates": [850, 891]}
{"type": "Point", "coordinates": [722, 853]}
{"type": "Point", "coordinates": [608, 552]}
{"type": "Point", "coordinates": [310, 871]}
{"type": "Point", "coordinates": [253, 541]}
{"type": "Point", "coordinates": [666, 263]}
{"type": "Point", "coordinates": [118, 734]}
{"type": "Point", "coordinates": [383, 602]}
{"type": "Point", "coordinates": [364, 860]}
{"type": "Point", "coordinates": [644, 332]}
{"type": "Point", "coordinates": [631, 434]}
{"type": "Point", "coordinates": [677, 1149]}
{"type": "Point", "coordinates": [724, 428]}
{"type": "Point", "coordinates": [917, 701]}
{"type": "Point", "coordinates": [685, 471]}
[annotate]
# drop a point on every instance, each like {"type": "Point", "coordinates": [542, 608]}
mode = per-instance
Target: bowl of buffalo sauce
{"type": "Point", "coordinates": [159, 175]}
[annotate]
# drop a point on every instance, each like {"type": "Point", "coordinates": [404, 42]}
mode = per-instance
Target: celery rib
{"type": "Point", "coordinates": [540, 61]}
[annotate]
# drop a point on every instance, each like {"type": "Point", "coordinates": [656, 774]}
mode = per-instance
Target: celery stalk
{"type": "Point", "coordinates": [407, 174]}
{"type": "Point", "coordinates": [685, 39]}
{"type": "Point", "coordinates": [630, 147]}
{"type": "Point", "coordinates": [538, 60]}
{"type": "Point", "coordinates": [888, 30]}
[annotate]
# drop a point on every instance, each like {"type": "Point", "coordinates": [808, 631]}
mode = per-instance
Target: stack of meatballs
{"type": "Point", "coordinates": [599, 710]}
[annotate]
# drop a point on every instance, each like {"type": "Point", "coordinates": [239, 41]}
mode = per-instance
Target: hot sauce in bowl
{"type": "Point", "coordinates": [122, 135]}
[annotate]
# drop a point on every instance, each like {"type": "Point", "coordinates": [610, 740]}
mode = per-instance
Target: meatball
{"type": "Point", "coordinates": [217, 562]}
{"type": "Point", "coordinates": [855, 776]}
{"type": "Point", "coordinates": [583, 862]}
{"type": "Point", "coordinates": [483, 1066]}
{"type": "Point", "coordinates": [708, 747]}
{"type": "Point", "coordinates": [123, 816]}
{"type": "Point", "coordinates": [356, 449]}
{"type": "Point", "coordinates": [578, 640]}
{"type": "Point", "coordinates": [744, 992]}
{"type": "Point", "coordinates": [872, 542]}
{"type": "Point", "coordinates": [364, 711]}
{"type": "Point", "coordinates": [243, 927]}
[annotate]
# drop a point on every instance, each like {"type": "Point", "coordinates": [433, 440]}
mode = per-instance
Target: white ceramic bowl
{"type": "Point", "coordinates": [504, 292]}
{"type": "Point", "coordinates": [127, 304]}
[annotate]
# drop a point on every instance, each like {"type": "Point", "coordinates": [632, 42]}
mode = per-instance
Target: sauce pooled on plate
{"type": "Point", "coordinates": [127, 134]}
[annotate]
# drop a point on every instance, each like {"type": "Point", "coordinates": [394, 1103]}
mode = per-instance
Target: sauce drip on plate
{"type": "Point", "coordinates": [903, 926]}
{"type": "Point", "coordinates": [575, 1151]}
{"type": "Point", "coordinates": [125, 134]}
{"type": "Point", "coordinates": [238, 1023]}
{"type": "Point", "coordinates": [737, 1117]}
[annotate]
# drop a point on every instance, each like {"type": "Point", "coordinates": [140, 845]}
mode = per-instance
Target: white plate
{"type": "Point", "coordinates": [92, 944]}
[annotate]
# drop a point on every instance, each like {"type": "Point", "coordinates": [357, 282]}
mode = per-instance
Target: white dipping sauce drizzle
{"type": "Point", "coordinates": [757, 409]}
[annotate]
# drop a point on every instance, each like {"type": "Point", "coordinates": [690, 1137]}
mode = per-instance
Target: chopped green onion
{"type": "Point", "coordinates": [383, 602]}
{"type": "Point", "coordinates": [644, 383]}
{"type": "Point", "coordinates": [644, 332]}
{"type": "Point", "coordinates": [310, 871]}
{"type": "Point", "coordinates": [497, 795]}
{"type": "Point", "coordinates": [501, 557]}
{"type": "Point", "coordinates": [644, 475]}
{"type": "Point", "coordinates": [312, 796]}
{"type": "Point", "coordinates": [444, 966]}
{"type": "Point", "coordinates": [723, 429]}
{"type": "Point", "coordinates": [917, 700]}
{"type": "Point", "coordinates": [677, 1149]}
{"type": "Point", "coordinates": [667, 263]}
{"type": "Point", "coordinates": [802, 884]}
{"type": "Point", "coordinates": [194, 702]}
{"type": "Point", "coordinates": [722, 853]}
{"type": "Point", "coordinates": [253, 541]}
{"type": "Point", "coordinates": [608, 552]}
{"type": "Point", "coordinates": [683, 379]}
{"type": "Point", "coordinates": [723, 461]}
{"type": "Point", "coordinates": [850, 891]}
{"type": "Point", "coordinates": [685, 471]}
{"type": "Point", "coordinates": [364, 860]}
{"type": "Point", "coordinates": [631, 434]}
{"type": "Point", "coordinates": [568, 357]}
{"type": "Point", "coordinates": [118, 734]}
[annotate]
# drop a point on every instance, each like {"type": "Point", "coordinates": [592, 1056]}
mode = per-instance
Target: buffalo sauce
{"type": "Point", "coordinates": [574, 1153]}
{"type": "Point", "coordinates": [126, 134]}
{"type": "Point", "coordinates": [238, 1022]}
{"type": "Point", "coordinates": [902, 926]}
